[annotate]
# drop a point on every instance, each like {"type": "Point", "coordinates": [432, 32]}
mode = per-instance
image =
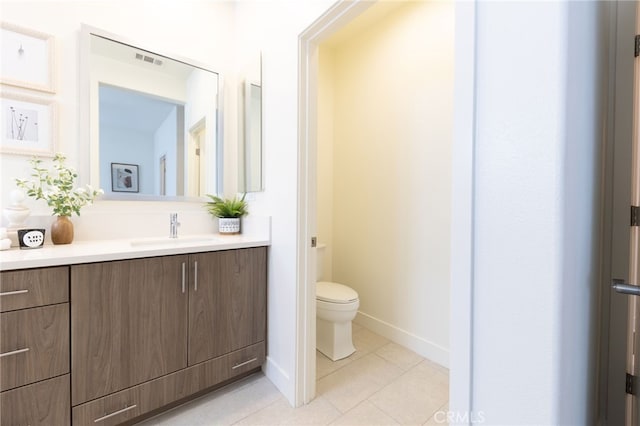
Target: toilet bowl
{"type": "Point", "coordinates": [336, 306]}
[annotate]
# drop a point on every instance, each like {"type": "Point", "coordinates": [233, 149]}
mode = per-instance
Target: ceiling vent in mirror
{"type": "Point", "coordinates": [148, 59]}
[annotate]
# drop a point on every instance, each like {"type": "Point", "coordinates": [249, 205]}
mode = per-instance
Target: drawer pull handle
{"type": "Point", "coordinates": [19, 351]}
{"type": "Point", "coordinates": [115, 413]}
{"type": "Point", "coordinates": [244, 363]}
{"type": "Point", "coordinates": [13, 293]}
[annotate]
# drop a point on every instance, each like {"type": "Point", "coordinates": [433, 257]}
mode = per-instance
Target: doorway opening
{"type": "Point", "coordinates": [461, 161]}
{"type": "Point", "coordinates": [197, 143]}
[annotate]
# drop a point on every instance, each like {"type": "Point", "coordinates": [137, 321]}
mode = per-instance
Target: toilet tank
{"type": "Point", "coordinates": [320, 250]}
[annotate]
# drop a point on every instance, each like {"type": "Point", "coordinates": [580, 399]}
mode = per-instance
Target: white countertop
{"type": "Point", "coordinates": [105, 250]}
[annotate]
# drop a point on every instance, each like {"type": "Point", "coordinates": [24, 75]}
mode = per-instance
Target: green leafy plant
{"type": "Point", "coordinates": [56, 187]}
{"type": "Point", "coordinates": [227, 208]}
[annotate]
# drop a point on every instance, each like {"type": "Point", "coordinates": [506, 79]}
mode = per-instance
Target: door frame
{"type": "Point", "coordinates": [632, 400]}
{"type": "Point", "coordinates": [615, 216]}
{"type": "Point", "coordinates": [462, 229]}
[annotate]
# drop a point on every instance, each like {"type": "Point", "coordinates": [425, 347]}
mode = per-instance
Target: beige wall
{"type": "Point", "coordinates": [384, 156]}
{"type": "Point", "coordinates": [325, 172]}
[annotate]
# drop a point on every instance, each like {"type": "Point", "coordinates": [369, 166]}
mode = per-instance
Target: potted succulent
{"type": "Point", "coordinates": [228, 211]}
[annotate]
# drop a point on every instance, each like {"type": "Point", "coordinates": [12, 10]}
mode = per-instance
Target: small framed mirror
{"type": "Point", "coordinates": [250, 151]}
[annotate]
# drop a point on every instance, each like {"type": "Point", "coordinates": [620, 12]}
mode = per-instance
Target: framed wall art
{"type": "Point", "coordinates": [27, 58]}
{"type": "Point", "coordinates": [29, 125]}
{"type": "Point", "coordinates": [124, 177]}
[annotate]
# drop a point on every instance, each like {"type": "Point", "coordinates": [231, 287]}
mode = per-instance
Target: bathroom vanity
{"type": "Point", "coordinates": [110, 332]}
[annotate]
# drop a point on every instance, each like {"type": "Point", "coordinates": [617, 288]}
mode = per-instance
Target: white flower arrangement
{"type": "Point", "coordinates": [57, 187]}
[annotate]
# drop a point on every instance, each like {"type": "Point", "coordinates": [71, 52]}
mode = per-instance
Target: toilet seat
{"type": "Point", "coordinates": [335, 293]}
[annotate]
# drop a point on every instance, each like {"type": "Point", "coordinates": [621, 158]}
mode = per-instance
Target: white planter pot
{"type": "Point", "coordinates": [228, 225]}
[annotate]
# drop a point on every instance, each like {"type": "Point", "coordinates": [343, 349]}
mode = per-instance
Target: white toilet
{"type": "Point", "coordinates": [336, 307]}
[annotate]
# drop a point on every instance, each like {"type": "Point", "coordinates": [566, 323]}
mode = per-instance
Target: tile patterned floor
{"type": "Point", "coordinates": [381, 384]}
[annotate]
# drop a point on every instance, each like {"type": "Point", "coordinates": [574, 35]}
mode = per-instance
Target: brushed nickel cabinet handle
{"type": "Point", "coordinates": [184, 274]}
{"type": "Point", "coordinates": [13, 293]}
{"type": "Point", "coordinates": [244, 363]}
{"type": "Point", "coordinates": [195, 277]}
{"type": "Point", "coordinates": [16, 352]}
{"type": "Point", "coordinates": [115, 413]}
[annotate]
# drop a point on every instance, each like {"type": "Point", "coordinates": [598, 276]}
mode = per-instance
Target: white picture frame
{"type": "Point", "coordinates": [28, 126]}
{"type": "Point", "coordinates": [27, 58]}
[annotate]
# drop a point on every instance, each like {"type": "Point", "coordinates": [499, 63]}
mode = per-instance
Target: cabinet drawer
{"type": "Point", "coordinates": [142, 399]}
{"type": "Point", "coordinates": [34, 345]}
{"type": "Point", "coordinates": [33, 287]}
{"type": "Point", "coordinates": [43, 403]}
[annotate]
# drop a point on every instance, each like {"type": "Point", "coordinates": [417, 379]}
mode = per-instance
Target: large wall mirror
{"type": "Point", "coordinates": [154, 130]}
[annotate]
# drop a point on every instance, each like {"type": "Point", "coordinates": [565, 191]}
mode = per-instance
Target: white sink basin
{"type": "Point", "coordinates": [189, 239]}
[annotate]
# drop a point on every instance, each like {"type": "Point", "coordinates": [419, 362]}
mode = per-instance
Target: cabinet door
{"type": "Point", "coordinates": [128, 323]}
{"type": "Point", "coordinates": [227, 302]}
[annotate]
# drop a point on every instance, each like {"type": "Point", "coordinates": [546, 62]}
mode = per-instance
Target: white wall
{"type": "Point", "coordinates": [277, 37]}
{"type": "Point", "coordinates": [538, 135]}
{"type": "Point", "coordinates": [586, 110]}
{"type": "Point", "coordinates": [389, 219]}
{"type": "Point", "coordinates": [518, 246]}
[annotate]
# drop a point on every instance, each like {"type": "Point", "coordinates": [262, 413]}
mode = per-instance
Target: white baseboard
{"type": "Point", "coordinates": [280, 379]}
{"type": "Point", "coordinates": [423, 347]}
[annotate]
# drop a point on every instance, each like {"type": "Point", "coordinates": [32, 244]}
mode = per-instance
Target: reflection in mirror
{"type": "Point", "coordinates": [253, 137]}
{"type": "Point", "coordinates": [155, 113]}
{"type": "Point", "coordinates": [139, 129]}
{"type": "Point", "coordinates": [250, 177]}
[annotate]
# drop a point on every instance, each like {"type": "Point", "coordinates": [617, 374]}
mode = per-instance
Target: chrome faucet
{"type": "Point", "coordinates": [173, 225]}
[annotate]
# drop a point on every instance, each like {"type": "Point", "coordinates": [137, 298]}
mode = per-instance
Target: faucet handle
{"type": "Point", "coordinates": [173, 225]}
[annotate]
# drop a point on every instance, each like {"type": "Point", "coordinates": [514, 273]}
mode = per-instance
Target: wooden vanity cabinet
{"type": "Point", "coordinates": [128, 323]}
{"type": "Point", "coordinates": [149, 332]}
{"type": "Point", "coordinates": [34, 347]}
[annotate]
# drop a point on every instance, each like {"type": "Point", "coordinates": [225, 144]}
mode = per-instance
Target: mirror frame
{"type": "Point", "coordinates": [89, 152]}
